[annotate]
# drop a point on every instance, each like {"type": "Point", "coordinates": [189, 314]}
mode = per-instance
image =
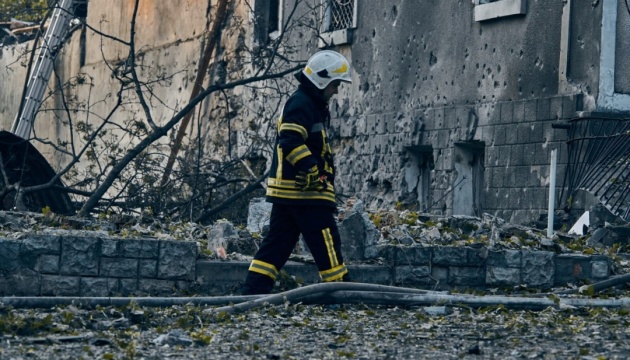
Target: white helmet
{"type": "Point", "coordinates": [326, 66]}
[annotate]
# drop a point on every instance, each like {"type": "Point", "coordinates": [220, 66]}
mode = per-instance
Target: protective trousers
{"type": "Point", "coordinates": [319, 229]}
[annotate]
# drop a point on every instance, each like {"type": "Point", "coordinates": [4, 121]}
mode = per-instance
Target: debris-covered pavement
{"type": "Point", "coordinates": [316, 332]}
{"type": "Point", "coordinates": [298, 331]}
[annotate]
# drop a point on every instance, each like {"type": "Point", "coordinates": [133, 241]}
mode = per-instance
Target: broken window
{"type": "Point", "coordinates": [493, 9]}
{"type": "Point", "coordinates": [339, 17]}
{"type": "Point", "coordinates": [268, 20]}
{"type": "Point", "coordinates": [468, 164]}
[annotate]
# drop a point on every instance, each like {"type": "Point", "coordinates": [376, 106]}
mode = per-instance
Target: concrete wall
{"type": "Point", "coordinates": [377, 153]}
{"type": "Point", "coordinates": [429, 75]}
{"type": "Point", "coordinates": [12, 74]}
{"type": "Point", "coordinates": [426, 74]}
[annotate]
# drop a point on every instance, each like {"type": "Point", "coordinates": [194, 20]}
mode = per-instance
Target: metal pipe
{"type": "Point", "coordinates": [552, 191]}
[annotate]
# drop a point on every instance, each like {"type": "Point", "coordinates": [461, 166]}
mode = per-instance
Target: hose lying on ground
{"type": "Point", "coordinates": [90, 302]}
{"type": "Point", "coordinates": [326, 293]}
{"type": "Point", "coordinates": [510, 302]}
{"type": "Point", "coordinates": [315, 292]}
{"type": "Point", "coordinates": [343, 293]}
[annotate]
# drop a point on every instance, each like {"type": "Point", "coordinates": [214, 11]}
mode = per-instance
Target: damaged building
{"type": "Point", "coordinates": [456, 107]}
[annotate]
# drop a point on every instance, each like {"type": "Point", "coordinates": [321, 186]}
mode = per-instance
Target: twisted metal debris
{"type": "Point", "coordinates": [599, 160]}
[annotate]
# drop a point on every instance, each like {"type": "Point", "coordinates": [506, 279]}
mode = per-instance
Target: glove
{"type": "Point", "coordinates": [311, 180]}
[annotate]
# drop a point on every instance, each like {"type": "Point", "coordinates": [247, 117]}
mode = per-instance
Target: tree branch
{"type": "Point", "coordinates": [213, 37]}
{"type": "Point", "coordinates": [163, 131]}
{"type": "Point", "coordinates": [227, 202]}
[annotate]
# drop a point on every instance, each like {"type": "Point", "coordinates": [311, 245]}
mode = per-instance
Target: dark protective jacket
{"type": "Point", "coordinates": [301, 142]}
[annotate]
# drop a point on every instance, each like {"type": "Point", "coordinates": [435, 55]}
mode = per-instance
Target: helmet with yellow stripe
{"type": "Point", "coordinates": [326, 66]}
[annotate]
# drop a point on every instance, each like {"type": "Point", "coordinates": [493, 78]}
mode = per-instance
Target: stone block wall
{"type": "Point", "coordinates": [438, 267]}
{"type": "Point", "coordinates": [449, 267]}
{"type": "Point", "coordinates": [70, 265]}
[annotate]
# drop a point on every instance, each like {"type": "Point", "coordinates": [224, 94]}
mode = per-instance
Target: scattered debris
{"type": "Point", "coordinates": [437, 329]}
{"type": "Point", "coordinates": [581, 226]}
{"type": "Point", "coordinates": [221, 253]}
{"type": "Point", "coordinates": [173, 338]}
{"type": "Point", "coordinates": [296, 331]}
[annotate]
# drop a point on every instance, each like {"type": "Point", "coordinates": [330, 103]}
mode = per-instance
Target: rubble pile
{"type": "Point", "coordinates": [364, 232]}
{"type": "Point", "coordinates": [403, 247]}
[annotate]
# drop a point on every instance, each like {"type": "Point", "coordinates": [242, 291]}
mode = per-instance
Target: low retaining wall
{"type": "Point", "coordinates": [482, 267]}
{"type": "Point", "coordinates": [439, 267]}
{"type": "Point", "coordinates": [68, 265]}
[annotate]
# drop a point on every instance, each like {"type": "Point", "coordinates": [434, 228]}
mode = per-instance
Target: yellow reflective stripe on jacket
{"type": "Point", "coordinates": [325, 145]}
{"type": "Point", "coordinates": [280, 162]}
{"type": "Point", "coordinates": [328, 241]}
{"type": "Point", "coordinates": [327, 168]}
{"type": "Point", "coordinates": [279, 122]}
{"type": "Point", "coordinates": [326, 149]}
{"type": "Point", "coordinates": [298, 154]}
{"type": "Point", "coordinates": [264, 268]}
{"type": "Point", "coordinates": [333, 274]}
{"type": "Point", "coordinates": [290, 185]}
{"type": "Point", "coordinates": [294, 127]}
{"type": "Point", "coordinates": [301, 195]}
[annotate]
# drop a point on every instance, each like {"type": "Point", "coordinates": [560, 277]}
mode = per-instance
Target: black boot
{"type": "Point", "coordinates": [256, 284]}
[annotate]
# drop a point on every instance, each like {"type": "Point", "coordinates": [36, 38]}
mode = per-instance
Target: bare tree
{"type": "Point", "coordinates": [114, 150]}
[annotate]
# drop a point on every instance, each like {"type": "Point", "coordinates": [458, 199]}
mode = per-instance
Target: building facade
{"type": "Point", "coordinates": [455, 106]}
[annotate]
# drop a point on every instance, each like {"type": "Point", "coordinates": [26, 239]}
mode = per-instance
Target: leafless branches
{"type": "Point", "coordinates": [111, 149]}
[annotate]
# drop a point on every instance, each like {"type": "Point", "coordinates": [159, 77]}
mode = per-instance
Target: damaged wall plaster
{"type": "Point", "coordinates": [419, 70]}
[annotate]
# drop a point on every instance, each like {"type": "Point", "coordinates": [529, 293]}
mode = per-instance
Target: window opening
{"type": "Point", "coordinates": [339, 15]}
{"type": "Point", "coordinates": [80, 8]}
{"type": "Point", "coordinates": [339, 18]}
{"type": "Point", "coordinates": [268, 19]}
{"type": "Point", "coordinates": [274, 27]}
{"type": "Point", "coordinates": [424, 181]}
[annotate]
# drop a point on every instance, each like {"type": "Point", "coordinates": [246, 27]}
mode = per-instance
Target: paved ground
{"type": "Point", "coordinates": [313, 332]}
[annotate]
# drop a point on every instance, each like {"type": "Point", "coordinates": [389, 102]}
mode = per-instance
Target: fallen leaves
{"type": "Point", "coordinates": [295, 331]}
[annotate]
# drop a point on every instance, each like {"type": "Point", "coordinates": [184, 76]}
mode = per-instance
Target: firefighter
{"type": "Point", "coordinates": [302, 178]}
